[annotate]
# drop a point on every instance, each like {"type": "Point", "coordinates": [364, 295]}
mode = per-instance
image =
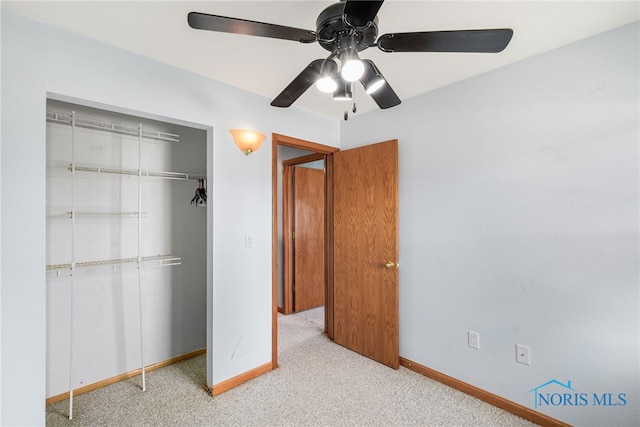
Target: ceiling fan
{"type": "Point", "coordinates": [344, 29]}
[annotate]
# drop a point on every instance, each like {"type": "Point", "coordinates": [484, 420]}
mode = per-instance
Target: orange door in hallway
{"type": "Point", "coordinates": [365, 251]}
{"type": "Point", "coordinates": [309, 241]}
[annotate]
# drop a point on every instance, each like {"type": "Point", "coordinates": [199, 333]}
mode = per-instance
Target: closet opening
{"type": "Point", "coordinates": [127, 240]}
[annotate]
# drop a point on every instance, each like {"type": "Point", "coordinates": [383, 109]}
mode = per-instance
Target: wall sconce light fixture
{"type": "Point", "coordinates": [247, 141]}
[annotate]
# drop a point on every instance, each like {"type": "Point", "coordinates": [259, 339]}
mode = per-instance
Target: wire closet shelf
{"type": "Point", "coordinates": [148, 261]}
{"type": "Point", "coordinates": [70, 269]}
{"type": "Point", "coordinates": [134, 131]}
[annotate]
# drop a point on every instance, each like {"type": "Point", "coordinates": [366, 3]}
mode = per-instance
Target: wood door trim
{"type": "Point", "coordinates": [287, 253]}
{"type": "Point", "coordinates": [288, 141]}
{"type": "Point", "coordinates": [303, 159]}
{"type": "Point", "coordinates": [328, 297]}
{"type": "Point", "coordinates": [287, 219]}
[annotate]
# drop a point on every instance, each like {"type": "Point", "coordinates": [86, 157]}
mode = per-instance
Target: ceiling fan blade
{"type": "Point", "coordinates": [385, 96]}
{"type": "Point", "coordinates": [488, 41]}
{"type": "Point", "coordinates": [299, 85]}
{"type": "Point", "coordinates": [359, 13]}
{"type": "Point", "coordinates": [203, 21]}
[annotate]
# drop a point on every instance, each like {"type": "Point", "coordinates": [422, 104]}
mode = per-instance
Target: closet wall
{"type": "Point", "coordinates": [94, 322]}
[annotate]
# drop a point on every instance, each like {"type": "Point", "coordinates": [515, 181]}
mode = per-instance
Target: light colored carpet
{"type": "Point", "coordinates": [318, 383]}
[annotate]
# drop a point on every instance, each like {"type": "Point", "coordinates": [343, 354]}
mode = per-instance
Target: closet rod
{"type": "Point", "coordinates": [84, 122]}
{"type": "Point", "coordinates": [135, 172]}
{"type": "Point", "coordinates": [106, 214]}
{"type": "Point", "coordinates": [157, 260]}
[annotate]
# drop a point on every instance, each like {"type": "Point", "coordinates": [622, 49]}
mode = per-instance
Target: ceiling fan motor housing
{"type": "Point", "coordinates": [331, 28]}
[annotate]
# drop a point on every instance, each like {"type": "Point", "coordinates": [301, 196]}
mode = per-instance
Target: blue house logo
{"type": "Point", "coordinates": [556, 393]}
{"type": "Point", "coordinates": [564, 393]}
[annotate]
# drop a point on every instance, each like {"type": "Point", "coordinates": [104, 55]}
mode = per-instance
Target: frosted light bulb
{"type": "Point", "coordinates": [326, 85]}
{"type": "Point", "coordinates": [352, 70]}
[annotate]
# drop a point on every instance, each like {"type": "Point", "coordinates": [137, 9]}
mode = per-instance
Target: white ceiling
{"type": "Point", "coordinates": [159, 30]}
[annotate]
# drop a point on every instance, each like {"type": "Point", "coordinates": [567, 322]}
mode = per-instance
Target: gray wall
{"type": "Point", "coordinates": [40, 61]}
{"type": "Point", "coordinates": [519, 220]}
{"type": "Point", "coordinates": [519, 212]}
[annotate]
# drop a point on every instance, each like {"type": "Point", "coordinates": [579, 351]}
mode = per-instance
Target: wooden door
{"type": "Point", "coordinates": [309, 241]}
{"type": "Point", "coordinates": [365, 229]}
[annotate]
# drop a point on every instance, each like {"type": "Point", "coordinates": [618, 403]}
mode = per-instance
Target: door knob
{"type": "Point", "coordinates": [391, 264]}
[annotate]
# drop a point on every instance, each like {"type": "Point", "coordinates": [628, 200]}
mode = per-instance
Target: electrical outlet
{"type": "Point", "coordinates": [523, 354]}
{"type": "Point", "coordinates": [248, 240]}
{"type": "Point", "coordinates": [473, 339]}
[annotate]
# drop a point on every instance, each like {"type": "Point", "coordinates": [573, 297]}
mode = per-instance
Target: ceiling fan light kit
{"type": "Point", "coordinates": [352, 69]}
{"type": "Point", "coordinates": [344, 29]}
{"type": "Point", "coordinates": [327, 81]}
{"type": "Point", "coordinates": [372, 79]}
{"type": "Point", "coordinates": [326, 84]}
{"type": "Point", "coordinates": [344, 91]}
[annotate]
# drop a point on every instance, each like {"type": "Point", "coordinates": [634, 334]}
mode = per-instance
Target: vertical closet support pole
{"type": "Point", "coordinates": [144, 386]}
{"type": "Point", "coordinates": [73, 258]}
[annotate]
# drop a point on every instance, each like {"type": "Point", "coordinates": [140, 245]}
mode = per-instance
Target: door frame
{"type": "Point", "coordinates": [327, 151]}
{"type": "Point", "coordinates": [288, 256]}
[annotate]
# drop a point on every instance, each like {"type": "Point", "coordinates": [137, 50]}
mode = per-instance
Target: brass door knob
{"type": "Point", "coordinates": [391, 264]}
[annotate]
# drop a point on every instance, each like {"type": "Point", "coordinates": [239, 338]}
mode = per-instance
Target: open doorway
{"type": "Point", "coordinates": [304, 219]}
{"type": "Point", "coordinates": [284, 149]}
{"type": "Point", "coordinates": [361, 181]}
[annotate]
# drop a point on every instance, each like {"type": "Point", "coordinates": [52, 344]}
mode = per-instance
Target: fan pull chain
{"type": "Point", "coordinates": [354, 108]}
